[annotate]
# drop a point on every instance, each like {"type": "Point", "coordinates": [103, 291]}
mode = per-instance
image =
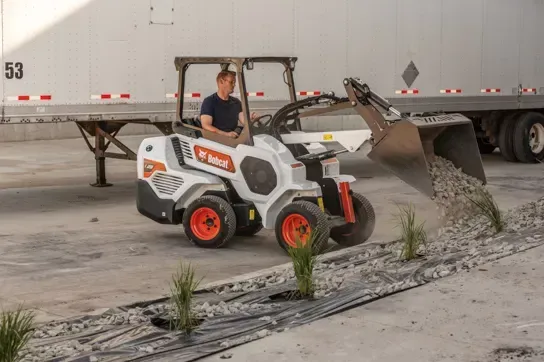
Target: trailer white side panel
{"type": "Point", "coordinates": [372, 60]}
{"type": "Point", "coordinates": [461, 47]}
{"type": "Point", "coordinates": [67, 60]}
{"type": "Point", "coordinates": [532, 45]}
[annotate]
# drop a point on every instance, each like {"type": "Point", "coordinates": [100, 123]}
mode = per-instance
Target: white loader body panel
{"type": "Point", "coordinates": [207, 162]}
{"type": "Point", "coordinates": [80, 60]}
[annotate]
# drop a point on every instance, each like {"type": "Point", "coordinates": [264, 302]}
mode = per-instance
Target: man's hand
{"type": "Point", "coordinates": [253, 115]}
{"type": "Point", "coordinates": [231, 134]}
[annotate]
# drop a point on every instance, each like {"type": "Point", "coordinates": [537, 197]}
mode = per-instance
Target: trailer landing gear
{"type": "Point", "coordinates": [108, 130]}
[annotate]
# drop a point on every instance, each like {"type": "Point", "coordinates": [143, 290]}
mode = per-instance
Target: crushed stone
{"type": "Point", "coordinates": [451, 187]}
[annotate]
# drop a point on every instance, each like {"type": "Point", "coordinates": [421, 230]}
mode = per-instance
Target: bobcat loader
{"type": "Point", "coordinates": [276, 176]}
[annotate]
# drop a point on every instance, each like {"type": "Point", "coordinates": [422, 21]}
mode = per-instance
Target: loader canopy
{"type": "Point", "coordinates": [238, 64]}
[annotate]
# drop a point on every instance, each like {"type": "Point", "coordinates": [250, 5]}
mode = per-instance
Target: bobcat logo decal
{"type": "Point", "coordinates": [214, 158]}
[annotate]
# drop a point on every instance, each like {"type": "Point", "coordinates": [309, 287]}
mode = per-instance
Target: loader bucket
{"type": "Point", "coordinates": [411, 143]}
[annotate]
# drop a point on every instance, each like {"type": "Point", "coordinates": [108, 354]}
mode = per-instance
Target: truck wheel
{"type": "Point", "coordinates": [300, 219]}
{"type": "Point", "coordinates": [485, 148]}
{"type": "Point", "coordinates": [209, 222]}
{"type": "Point", "coordinates": [362, 229]}
{"type": "Point", "coordinates": [506, 139]}
{"type": "Point", "coordinates": [248, 230]}
{"type": "Point", "coordinates": [529, 137]}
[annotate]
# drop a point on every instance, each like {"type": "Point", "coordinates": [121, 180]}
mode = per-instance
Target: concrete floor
{"type": "Point", "coordinates": [55, 258]}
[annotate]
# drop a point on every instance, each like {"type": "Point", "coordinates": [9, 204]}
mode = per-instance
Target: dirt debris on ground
{"type": "Point", "coordinates": [517, 354]}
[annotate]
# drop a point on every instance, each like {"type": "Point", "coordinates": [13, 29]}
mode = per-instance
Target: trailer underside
{"type": "Point", "coordinates": [104, 122]}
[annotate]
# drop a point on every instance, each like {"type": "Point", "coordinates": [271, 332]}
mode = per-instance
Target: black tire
{"type": "Point", "coordinates": [506, 139]}
{"type": "Point", "coordinates": [248, 230]}
{"type": "Point", "coordinates": [209, 208]}
{"type": "Point", "coordinates": [485, 148]}
{"type": "Point", "coordinates": [365, 222]}
{"type": "Point", "coordinates": [523, 133]}
{"type": "Point", "coordinates": [300, 211]}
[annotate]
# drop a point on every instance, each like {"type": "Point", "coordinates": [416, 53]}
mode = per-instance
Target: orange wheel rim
{"type": "Point", "coordinates": [205, 223]}
{"type": "Point", "coordinates": [295, 226]}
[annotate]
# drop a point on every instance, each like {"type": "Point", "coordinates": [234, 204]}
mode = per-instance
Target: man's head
{"type": "Point", "coordinates": [226, 81]}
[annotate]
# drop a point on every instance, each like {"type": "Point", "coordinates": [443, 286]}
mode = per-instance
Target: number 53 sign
{"type": "Point", "coordinates": [14, 70]}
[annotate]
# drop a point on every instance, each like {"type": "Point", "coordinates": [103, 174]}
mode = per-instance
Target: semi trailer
{"type": "Point", "coordinates": [101, 65]}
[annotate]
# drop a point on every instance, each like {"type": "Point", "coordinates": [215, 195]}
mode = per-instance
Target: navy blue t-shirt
{"type": "Point", "coordinates": [224, 113]}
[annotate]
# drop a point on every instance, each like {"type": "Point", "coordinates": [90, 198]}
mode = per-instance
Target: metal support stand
{"type": "Point", "coordinates": [100, 159]}
{"type": "Point", "coordinates": [102, 130]}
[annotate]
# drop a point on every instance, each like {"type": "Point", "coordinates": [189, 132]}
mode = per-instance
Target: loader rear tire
{"type": "Point", "coordinates": [209, 222]}
{"type": "Point", "coordinates": [302, 218]}
{"type": "Point", "coordinates": [506, 137]}
{"type": "Point", "coordinates": [528, 137]}
{"type": "Point", "coordinates": [362, 229]}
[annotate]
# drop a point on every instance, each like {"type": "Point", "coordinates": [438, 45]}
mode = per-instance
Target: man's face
{"type": "Point", "coordinates": [227, 84]}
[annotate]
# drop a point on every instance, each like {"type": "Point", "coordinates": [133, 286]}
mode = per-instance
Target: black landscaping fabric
{"type": "Point", "coordinates": [123, 342]}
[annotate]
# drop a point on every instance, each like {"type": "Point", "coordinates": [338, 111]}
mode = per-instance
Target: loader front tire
{"type": "Point", "coordinates": [362, 229]}
{"type": "Point", "coordinates": [302, 218]}
{"type": "Point", "coordinates": [209, 222]}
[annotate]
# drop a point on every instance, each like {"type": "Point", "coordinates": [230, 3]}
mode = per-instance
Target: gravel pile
{"type": "Point", "coordinates": [256, 283]}
{"type": "Point", "coordinates": [224, 309]}
{"type": "Point", "coordinates": [132, 316]}
{"type": "Point", "coordinates": [452, 186]}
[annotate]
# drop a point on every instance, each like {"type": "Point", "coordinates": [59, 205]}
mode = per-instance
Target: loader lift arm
{"type": "Point", "coordinates": [404, 147]}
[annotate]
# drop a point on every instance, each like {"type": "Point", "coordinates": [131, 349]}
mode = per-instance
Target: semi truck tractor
{"type": "Point", "coordinates": [102, 64]}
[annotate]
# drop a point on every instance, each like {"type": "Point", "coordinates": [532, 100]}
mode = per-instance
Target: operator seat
{"type": "Point", "coordinates": [194, 121]}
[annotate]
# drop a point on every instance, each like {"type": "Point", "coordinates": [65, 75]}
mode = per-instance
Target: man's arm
{"type": "Point", "coordinates": [242, 118]}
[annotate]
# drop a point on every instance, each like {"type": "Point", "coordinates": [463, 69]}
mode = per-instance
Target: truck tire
{"type": "Point", "coordinates": [365, 221]}
{"type": "Point", "coordinates": [506, 139]}
{"type": "Point", "coordinates": [529, 137]}
{"type": "Point", "coordinates": [485, 148]}
{"type": "Point", "coordinates": [306, 217]}
{"type": "Point", "coordinates": [209, 222]}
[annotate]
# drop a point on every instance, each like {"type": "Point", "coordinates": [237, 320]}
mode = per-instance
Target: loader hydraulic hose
{"type": "Point", "coordinates": [368, 93]}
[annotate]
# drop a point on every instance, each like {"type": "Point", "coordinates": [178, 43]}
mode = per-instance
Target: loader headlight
{"type": "Point", "coordinates": [151, 167]}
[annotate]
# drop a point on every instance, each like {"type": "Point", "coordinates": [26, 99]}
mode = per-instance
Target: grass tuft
{"type": "Point", "coordinates": [182, 289]}
{"type": "Point", "coordinates": [16, 329]}
{"type": "Point", "coordinates": [304, 259]}
{"type": "Point", "coordinates": [488, 207]}
{"type": "Point", "coordinates": [412, 235]}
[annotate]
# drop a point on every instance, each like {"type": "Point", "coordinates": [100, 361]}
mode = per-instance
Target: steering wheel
{"type": "Point", "coordinates": [257, 121]}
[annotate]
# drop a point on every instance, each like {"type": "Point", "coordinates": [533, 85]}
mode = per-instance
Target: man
{"type": "Point", "coordinates": [221, 113]}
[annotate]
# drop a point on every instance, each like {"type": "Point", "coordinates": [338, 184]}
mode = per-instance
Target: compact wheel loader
{"type": "Point", "coordinates": [278, 177]}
